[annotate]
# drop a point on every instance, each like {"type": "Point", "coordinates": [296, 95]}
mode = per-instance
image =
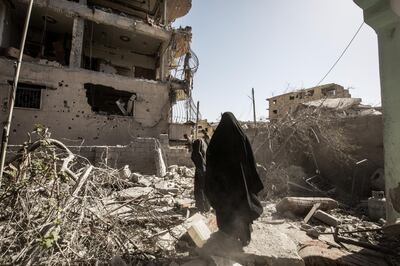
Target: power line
{"type": "Point", "coordinates": [342, 54]}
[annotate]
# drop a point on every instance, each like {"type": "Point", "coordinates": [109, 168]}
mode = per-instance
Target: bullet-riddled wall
{"type": "Point", "coordinates": [65, 109]}
{"type": "Point", "coordinates": [91, 75]}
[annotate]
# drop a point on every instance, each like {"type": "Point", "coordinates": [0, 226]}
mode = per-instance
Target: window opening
{"type": "Point", "coordinates": [109, 101]}
{"type": "Point", "coordinates": [310, 93]}
{"type": "Point", "coordinates": [28, 96]}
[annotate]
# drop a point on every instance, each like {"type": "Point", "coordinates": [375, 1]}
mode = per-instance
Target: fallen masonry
{"type": "Point", "coordinates": [57, 208]}
{"type": "Point", "coordinates": [63, 210]}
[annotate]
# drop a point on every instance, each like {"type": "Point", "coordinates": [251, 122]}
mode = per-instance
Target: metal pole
{"type": "Point", "coordinates": [6, 129]}
{"type": "Point", "coordinates": [165, 7]}
{"type": "Point", "coordinates": [187, 109]}
{"type": "Point", "coordinates": [197, 120]}
{"type": "Point", "coordinates": [254, 108]}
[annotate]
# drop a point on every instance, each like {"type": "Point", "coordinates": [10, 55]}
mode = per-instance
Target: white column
{"type": "Point", "coordinates": [382, 16]}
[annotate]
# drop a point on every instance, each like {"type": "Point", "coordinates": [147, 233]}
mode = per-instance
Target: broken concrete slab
{"type": "Point", "coordinates": [134, 192]}
{"type": "Point", "coordinates": [185, 202]}
{"type": "Point", "coordinates": [326, 218]}
{"type": "Point", "coordinates": [167, 240]}
{"type": "Point", "coordinates": [302, 205]}
{"type": "Point", "coordinates": [166, 187]}
{"type": "Point", "coordinates": [263, 248]}
{"type": "Point", "coordinates": [145, 181]}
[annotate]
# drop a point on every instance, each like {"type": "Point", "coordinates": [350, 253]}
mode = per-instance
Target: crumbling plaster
{"type": "Point", "coordinates": [65, 109]}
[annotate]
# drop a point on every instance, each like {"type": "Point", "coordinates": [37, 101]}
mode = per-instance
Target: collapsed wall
{"type": "Point", "coordinates": [333, 156]}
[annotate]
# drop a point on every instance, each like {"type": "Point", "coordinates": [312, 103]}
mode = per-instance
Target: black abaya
{"type": "Point", "coordinates": [232, 181]}
{"type": "Point", "coordinates": [199, 159]}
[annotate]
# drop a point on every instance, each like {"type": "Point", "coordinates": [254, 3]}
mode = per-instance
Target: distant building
{"type": "Point", "coordinates": [281, 105]}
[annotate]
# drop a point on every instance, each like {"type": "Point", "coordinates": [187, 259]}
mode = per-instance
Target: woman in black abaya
{"type": "Point", "coordinates": [232, 181]}
{"type": "Point", "coordinates": [199, 148]}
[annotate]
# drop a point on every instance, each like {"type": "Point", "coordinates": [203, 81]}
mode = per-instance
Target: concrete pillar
{"type": "Point", "coordinates": [383, 17]}
{"type": "Point", "coordinates": [164, 64]}
{"type": "Point", "coordinates": [75, 58]}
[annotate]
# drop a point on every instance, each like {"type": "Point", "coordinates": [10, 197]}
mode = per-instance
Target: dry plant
{"type": "Point", "coordinates": [300, 134]}
{"type": "Point", "coordinates": [55, 209]}
{"type": "Point", "coordinates": [303, 131]}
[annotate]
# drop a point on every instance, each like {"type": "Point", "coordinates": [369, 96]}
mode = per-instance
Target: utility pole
{"type": "Point", "coordinates": [187, 105]}
{"type": "Point", "coordinates": [197, 120]}
{"type": "Point", "coordinates": [7, 126]}
{"type": "Point", "coordinates": [254, 108]}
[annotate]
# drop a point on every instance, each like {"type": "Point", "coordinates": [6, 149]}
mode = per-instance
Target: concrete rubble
{"type": "Point", "coordinates": [125, 198]}
{"type": "Point", "coordinates": [89, 213]}
{"type": "Point", "coordinates": [127, 218]}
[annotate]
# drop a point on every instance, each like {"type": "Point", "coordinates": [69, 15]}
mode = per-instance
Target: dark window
{"type": "Point", "coordinates": [329, 92]}
{"type": "Point", "coordinates": [310, 93]}
{"type": "Point", "coordinates": [291, 97]}
{"type": "Point", "coordinates": [28, 96]}
{"type": "Point", "coordinates": [145, 73]}
{"type": "Point", "coordinates": [109, 101]}
{"type": "Point", "coordinates": [275, 111]}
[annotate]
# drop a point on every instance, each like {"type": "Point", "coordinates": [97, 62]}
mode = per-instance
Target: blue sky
{"type": "Point", "coordinates": [277, 46]}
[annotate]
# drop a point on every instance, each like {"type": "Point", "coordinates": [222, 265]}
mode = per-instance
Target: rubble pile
{"type": "Point", "coordinates": [57, 208]}
{"type": "Point", "coordinates": [320, 217]}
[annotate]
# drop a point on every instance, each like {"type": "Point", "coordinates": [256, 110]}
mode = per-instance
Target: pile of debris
{"type": "Point", "coordinates": [57, 208]}
{"type": "Point", "coordinates": [324, 219]}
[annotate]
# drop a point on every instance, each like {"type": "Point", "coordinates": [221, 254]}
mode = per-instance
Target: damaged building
{"type": "Point", "coordinates": [96, 73]}
{"type": "Point", "coordinates": [334, 138]}
{"type": "Point", "coordinates": [286, 103]}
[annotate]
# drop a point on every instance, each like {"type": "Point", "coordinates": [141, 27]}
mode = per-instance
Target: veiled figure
{"type": "Point", "coordinates": [199, 149]}
{"type": "Point", "coordinates": [232, 181]}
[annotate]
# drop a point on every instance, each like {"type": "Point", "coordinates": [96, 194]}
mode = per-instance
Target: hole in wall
{"type": "Point", "coordinates": [109, 101]}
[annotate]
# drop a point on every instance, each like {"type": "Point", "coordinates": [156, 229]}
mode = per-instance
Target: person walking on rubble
{"type": "Point", "coordinates": [232, 181]}
{"type": "Point", "coordinates": [199, 148]}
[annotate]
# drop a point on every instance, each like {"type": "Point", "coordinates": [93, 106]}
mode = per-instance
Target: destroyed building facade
{"type": "Point", "coordinates": [97, 72]}
{"type": "Point", "coordinates": [286, 103]}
